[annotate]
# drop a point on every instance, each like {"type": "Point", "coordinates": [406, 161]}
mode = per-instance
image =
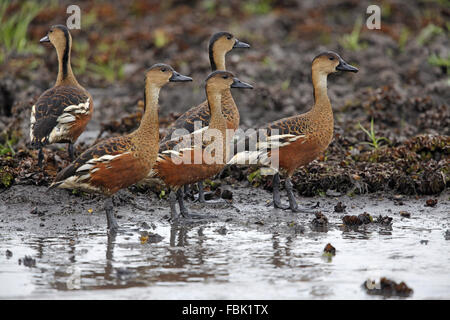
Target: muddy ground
{"type": "Point", "coordinates": [398, 86]}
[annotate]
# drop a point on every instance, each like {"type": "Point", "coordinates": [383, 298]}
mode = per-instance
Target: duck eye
{"type": "Point", "coordinates": [331, 58]}
{"type": "Point", "coordinates": [229, 37]}
{"type": "Point", "coordinates": [225, 77]}
{"type": "Point", "coordinates": [163, 69]}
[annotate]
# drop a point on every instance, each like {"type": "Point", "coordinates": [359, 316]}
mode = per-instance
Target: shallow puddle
{"type": "Point", "coordinates": [210, 262]}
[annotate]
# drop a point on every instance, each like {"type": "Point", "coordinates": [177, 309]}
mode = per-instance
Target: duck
{"type": "Point", "coordinates": [219, 45]}
{"type": "Point", "coordinates": [290, 143]}
{"type": "Point", "coordinates": [185, 159]}
{"type": "Point", "coordinates": [61, 113]}
{"type": "Point", "coordinates": [119, 162]}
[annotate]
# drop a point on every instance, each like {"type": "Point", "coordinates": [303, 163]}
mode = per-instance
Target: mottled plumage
{"type": "Point", "coordinates": [60, 115]}
{"type": "Point", "coordinates": [119, 162]}
{"type": "Point", "coordinates": [297, 140]}
{"type": "Point", "coordinates": [104, 168]}
{"type": "Point", "coordinates": [62, 112]}
{"type": "Point", "coordinates": [219, 45]}
{"type": "Point", "coordinates": [176, 170]}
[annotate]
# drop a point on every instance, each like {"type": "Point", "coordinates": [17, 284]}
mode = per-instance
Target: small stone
{"type": "Point", "coordinates": [365, 218]}
{"type": "Point", "coordinates": [333, 193]}
{"type": "Point", "coordinates": [222, 230]}
{"type": "Point", "coordinates": [405, 214]}
{"type": "Point", "coordinates": [320, 220]}
{"type": "Point", "coordinates": [145, 225]}
{"type": "Point", "coordinates": [384, 220]}
{"type": "Point", "coordinates": [9, 254]}
{"type": "Point", "coordinates": [431, 203]}
{"type": "Point", "coordinates": [339, 207]}
{"type": "Point", "coordinates": [27, 261]}
{"type": "Point", "coordinates": [351, 221]}
{"type": "Point", "coordinates": [227, 194]}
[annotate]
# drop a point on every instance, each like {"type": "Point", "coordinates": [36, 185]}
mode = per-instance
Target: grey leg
{"type": "Point", "coordinates": [183, 210]}
{"type": "Point", "coordinates": [70, 151]}
{"type": "Point", "coordinates": [276, 192]}
{"type": "Point", "coordinates": [174, 215]}
{"type": "Point", "coordinates": [40, 158]}
{"type": "Point", "coordinates": [292, 202]}
{"type": "Point", "coordinates": [111, 220]}
{"type": "Point", "coordinates": [178, 196]}
{"type": "Point", "coordinates": [201, 193]}
{"type": "Point", "coordinates": [187, 192]}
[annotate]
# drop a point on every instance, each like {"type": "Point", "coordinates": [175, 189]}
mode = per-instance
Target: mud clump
{"type": "Point", "coordinates": [150, 237]}
{"type": "Point", "coordinates": [431, 203]}
{"type": "Point", "coordinates": [339, 207]}
{"type": "Point", "coordinates": [363, 218]}
{"type": "Point", "coordinates": [405, 214]}
{"type": "Point", "coordinates": [320, 222]}
{"type": "Point", "coordinates": [329, 249]}
{"type": "Point", "coordinates": [387, 288]}
{"type": "Point", "coordinates": [27, 261]}
{"type": "Point", "coordinates": [384, 220]}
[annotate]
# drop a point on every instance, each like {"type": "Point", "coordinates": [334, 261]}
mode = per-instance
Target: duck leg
{"type": "Point", "coordinates": [70, 151]}
{"type": "Point", "coordinates": [40, 158]}
{"type": "Point", "coordinates": [113, 226]}
{"type": "Point", "coordinates": [174, 215]}
{"type": "Point", "coordinates": [276, 193]}
{"type": "Point", "coordinates": [183, 210]}
{"type": "Point", "coordinates": [292, 202]}
{"type": "Point", "coordinates": [188, 192]}
{"type": "Point", "coordinates": [201, 193]}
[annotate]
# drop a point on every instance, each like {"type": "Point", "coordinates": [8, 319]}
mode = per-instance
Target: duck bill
{"type": "Point", "coordinates": [344, 66]}
{"type": "Point", "coordinates": [177, 77]}
{"type": "Point", "coordinates": [240, 44]}
{"type": "Point", "coordinates": [241, 85]}
{"type": "Point", "coordinates": [45, 39]}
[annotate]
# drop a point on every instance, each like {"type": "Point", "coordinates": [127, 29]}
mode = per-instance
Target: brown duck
{"type": "Point", "coordinates": [62, 112]}
{"type": "Point", "coordinates": [297, 140]}
{"type": "Point", "coordinates": [119, 162]}
{"type": "Point", "coordinates": [219, 45]}
{"type": "Point", "coordinates": [170, 165]}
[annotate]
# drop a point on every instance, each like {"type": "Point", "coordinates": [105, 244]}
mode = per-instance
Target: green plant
{"type": "Point", "coordinates": [14, 25]}
{"type": "Point", "coordinates": [443, 63]}
{"type": "Point", "coordinates": [403, 38]}
{"type": "Point", "coordinates": [375, 141]}
{"type": "Point", "coordinates": [427, 33]}
{"type": "Point", "coordinates": [258, 6]}
{"type": "Point", "coordinates": [110, 68]}
{"type": "Point", "coordinates": [7, 146]}
{"type": "Point", "coordinates": [352, 41]}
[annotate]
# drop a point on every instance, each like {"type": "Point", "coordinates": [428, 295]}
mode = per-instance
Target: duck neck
{"type": "Point", "coordinates": [65, 74]}
{"type": "Point", "coordinates": [217, 59]}
{"type": "Point", "coordinates": [321, 100]}
{"type": "Point", "coordinates": [149, 126]}
{"type": "Point", "coordinates": [215, 108]}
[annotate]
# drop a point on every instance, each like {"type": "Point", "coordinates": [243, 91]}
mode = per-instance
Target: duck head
{"type": "Point", "coordinates": [219, 45]}
{"type": "Point", "coordinates": [330, 62]}
{"type": "Point", "coordinates": [219, 81]}
{"type": "Point", "coordinates": [160, 74]}
{"type": "Point", "coordinates": [59, 36]}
